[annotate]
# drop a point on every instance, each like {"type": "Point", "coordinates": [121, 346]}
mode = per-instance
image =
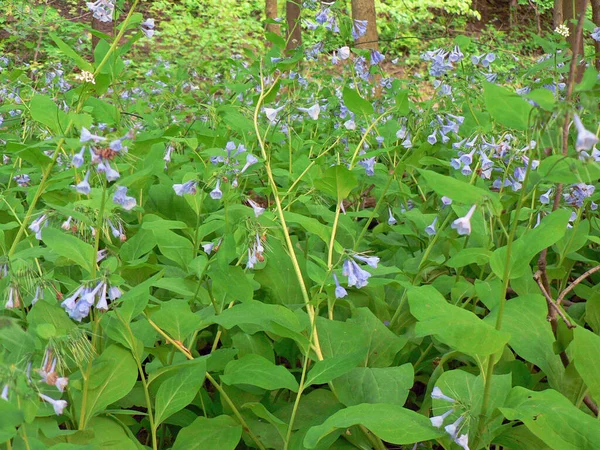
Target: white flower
{"type": "Point", "coordinates": [438, 394]}
{"type": "Point", "coordinates": [344, 52]}
{"type": "Point", "coordinates": [563, 30]}
{"type": "Point", "coordinates": [585, 138]}
{"type": "Point", "coordinates": [58, 405]}
{"type": "Point", "coordinates": [452, 429]}
{"type": "Point", "coordinates": [313, 111]}
{"type": "Point", "coordinates": [438, 421]}
{"type": "Point", "coordinates": [271, 113]}
{"type": "Point", "coordinates": [463, 441]}
{"type": "Point", "coordinates": [463, 224]}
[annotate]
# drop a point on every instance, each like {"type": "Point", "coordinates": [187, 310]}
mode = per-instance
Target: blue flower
{"type": "Point", "coordinates": [78, 160]}
{"type": "Point", "coordinates": [356, 275]}
{"type": "Point", "coordinates": [250, 160]}
{"type": "Point", "coordinates": [84, 186]}
{"type": "Point", "coordinates": [585, 138]}
{"type": "Point", "coordinates": [376, 57]}
{"type": "Point", "coordinates": [216, 193]}
{"type": "Point", "coordinates": [391, 218]}
{"type": "Point", "coordinates": [463, 224]}
{"type": "Point", "coordinates": [545, 198]}
{"type": "Point", "coordinates": [121, 198]}
{"type": "Point", "coordinates": [369, 165]}
{"type": "Point", "coordinates": [340, 292]}
{"type": "Point", "coordinates": [430, 229]}
{"type": "Point", "coordinates": [359, 29]}
{"type": "Point", "coordinates": [369, 260]}
{"type": "Point", "coordinates": [185, 188]}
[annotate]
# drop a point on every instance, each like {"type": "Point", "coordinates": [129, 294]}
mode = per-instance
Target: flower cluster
{"type": "Point", "coordinates": [357, 276]}
{"type": "Point", "coordinates": [79, 304]}
{"type": "Point", "coordinates": [454, 428]}
{"type": "Point", "coordinates": [103, 10]}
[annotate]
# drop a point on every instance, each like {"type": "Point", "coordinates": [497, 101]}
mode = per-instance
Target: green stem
{"type": "Point", "coordinates": [333, 231]}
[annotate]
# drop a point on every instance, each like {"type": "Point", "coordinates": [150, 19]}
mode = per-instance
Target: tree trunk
{"type": "Point", "coordinates": [572, 9]}
{"type": "Point", "coordinates": [596, 20]}
{"type": "Point", "coordinates": [294, 31]}
{"type": "Point", "coordinates": [103, 27]}
{"type": "Point", "coordinates": [557, 13]}
{"type": "Point", "coordinates": [365, 10]}
{"type": "Point", "coordinates": [271, 13]}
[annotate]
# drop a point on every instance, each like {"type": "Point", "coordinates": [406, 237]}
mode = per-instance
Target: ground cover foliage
{"type": "Point", "coordinates": [300, 252]}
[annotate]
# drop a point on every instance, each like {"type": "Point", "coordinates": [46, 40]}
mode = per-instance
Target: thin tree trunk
{"type": "Point", "coordinates": [365, 10]}
{"type": "Point", "coordinates": [557, 13]}
{"type": "Point", "coordinates": [572, 9]}
{"type": "Point", "coordinates": [271, 13]}
{"type": "Point", "coordinates": [103, 27]}
{"type": "Point", "coordinates": [596, 20]}
{"type": "Point", "coordinates": [294, 31]}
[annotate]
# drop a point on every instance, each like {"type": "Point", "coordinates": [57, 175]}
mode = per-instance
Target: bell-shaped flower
{"type": "Point", "coordinates": [4, 395]}
{"type": "Point", "coordinates": [453, 428]}
{"type": "Point", "coordinates": [250, 160]}
{"type": "Point", "coordinates": [313, 111]}
{"type": "Point", "coordinates": [84, 186]}
{"type": "Point", "coordinates": [272, 113]}
{"type": "Point", "coordinates": [340, 292]}
{"type": "Point", "coordinates": [372, 261]}
{"type": "Point", "coordinates": [61, 383]}
{"type": "Point", "coordinates": [87, 136]}
{"type": "Point", "coordinates": [114, 293]}
{"type": "Point", "coordinates": [58, 405]}
{"type": "Point", "coordinates": [185, 188]}
{"type": "Point", "coordinates": [121, 198]}
{"type": "Point", "coordinates": [102, 303]}
{"type": "Point", "coordinates": [446, 201]}
{"type": "Point", "coordinates": [78, 159]}
{"type": "Point", "coordinates": [437, 394]}
{"type": "Point", "coordinates": [36, 225]}
{"type": "Point", "coordinates": [216, 193]}
{"type": "Point", "coordinates": [430, 229]}
{"type": "Point", "coordinates": [438, 421]}
{"type": "Point", "coordinates": [376, 57]}
{"type": "Point", "coordinates": [391, 219]}
{"type": "Point", "coordinates": [66, 225]}
{"type": "Point", "coordinates": [356, 275]}
{"type": "Point", "coordinates": [344, 52]}
{"type": "Point", "coordinates": [208, 248]}
{"type": "Point", "coordinates": [545, 198]}
{"type": "Point", "coordinates": [369, 165]}
{"type": "Point", "coordinates": [258, 210]}
{"type": "Point", "coordinates": [463, 441]}
{"type": "Point", "coordinates": [463, 224]}
{"type": "Point", "coordinates": [585, 138]}
{"type": "Point", "coordinates": [467, 158]}
{"type": "Point", "coordinates": [110, 173]}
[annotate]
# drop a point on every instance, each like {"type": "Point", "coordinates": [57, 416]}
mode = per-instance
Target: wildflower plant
{"type": "Point", "coordinates": [303, 252]}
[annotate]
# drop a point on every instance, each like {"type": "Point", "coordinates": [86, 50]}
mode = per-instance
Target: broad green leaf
{"type": "Point", "coordinates": [309, 224]}
{"type": "Point", "coordinates": [176, 319]}
{"type": "Point", "coordinates": [108, 435]}
{"type": "Point", "coordinates": [355, 103]}
{"type": "Point", "coordinates": [391, 423]}
{"type": "Point", "coordinates": [179, 390]}
{"type": "Point", "coordinates": [532, 242]}
{"type": "Point", "coordinates": [459, 191]}
{"type": "Point", "coordinates": [45, 313]}
{"type": "Point", "coordinates": [175, 247]}
{"type": "Point", "coordinates": [466, 256]}
{"type": "Point", "coordinates": [456, 327]}
{"type": "Point", "coordinates": [506, 107]}
{"type": "Point", "coordinates": [553, 419]}
{"type": "Point", "coordinates": [586, 356]}
{"type": "Point", "coordinates": [70, 247]}
{"type": "Point", "coordinates": [543, 97]}
{"type": "Point", "coordinates": [403, 103]}
{"type": "Point", "coordinates": [337, 181]}
{"type": "Point", "coordinates": [341, 338]}
{"type": "Point", "coordinates": [531, 337]}
{"type": "Point", "coordinates": [113, 375]}
{"type": "Point", "coordinates": [375, 385]}
{"type": "Point", "coordinates": [262, 412]}
{"type": "Point", "coordinates": [44, 110]}
{"type": "Point", "coordinates": [257, 343]}
{"type": "Point", "coordinates": [230, 283]}
{"type": "Point", "coordinates": [218, 433]}
{"type": "Point", "coordinates": [72, 54]}
{"type": "Point", "coordinates": [383, 343]}
{"type": "Point", "coordinates": [140, 244]}
{"type": "Point", "coordinates": [258, 371]}
{"type": "Point", "coordinates": [567, 170]}
{"type": "Point", "coordinates": [327, 369]}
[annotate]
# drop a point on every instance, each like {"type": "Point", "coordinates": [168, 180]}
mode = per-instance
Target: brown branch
{"type": "Point", "coordinates": [578, 280]}
{"type": "Point", "coordinates": [551, 304]}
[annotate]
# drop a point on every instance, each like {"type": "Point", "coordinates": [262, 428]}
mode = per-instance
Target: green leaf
{"type": "Point", "coordinates": [262, 412]}
{"type": "Point", "coordinates": [176, 319]}
{"type": "Point", "coordinates": [506, 107]}
{"type": "Point", "coordinates": [337, 181]}
{"type": "Point", "coordinates": [403, 103]}
{"type": "Point", "coordinates": [341, 338]}
{"type": "Point", "coordinates": [141, 243]}
{"type": "Point", "coordinates": [531, 337]}
{"type": "Point", "coordinates": [466, 256]}
{"type": "Point", "coordinates": [230, 283]}
{"type": "Point", "coordinates": [391, 423]}
{"type": "Point", "coordinates": [113, 375]}
{"type": "Point", "coordinates": [258, 371]}
{"type": "Point", "coordinates": [70, 247]}
{"type": "Point", "coordinates": [456, 327]}
{"type": "Point", "coordinates": [586, 356]}
{"type": "Point", "coordinates": [327, 369]}
{"type": "Point", "coordinates": [45, 111]}
{"type": "Point", "coordinates": [355, 103]}
{"type": "Point", "coordinates": [553, 419]}
{"type": "Point", "coordinates": [219, 433]}
{"type": "Point", "coordinates": [562, 169]}
{"type": "Point", "coordinates": [179, 390]}
{"type": "Point", "coordinates": [458, 190]}
{"type": "Point", "coordinates": [72, 54]}
{"type": "Point", "coordinates": [543, 97]}
{"type": "Point", "coordinates": [383, 343]}
{"type": "Point", "coordinates": [551, 229]}
{"type": "Point", "coordinates": [375, 385]}
{"type": "Point", "coordinates": [175, 247]}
